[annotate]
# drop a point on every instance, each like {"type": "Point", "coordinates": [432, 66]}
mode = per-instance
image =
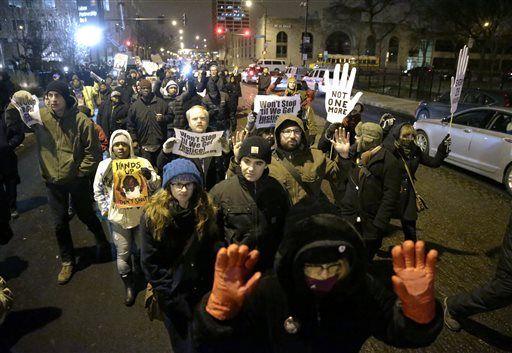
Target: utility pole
{"type": "Point", "coordinates": [305, 35]}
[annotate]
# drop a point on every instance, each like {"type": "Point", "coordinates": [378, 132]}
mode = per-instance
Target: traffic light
{"type": "Point", "coordinates": [161, 19]}
{"type": "Point", "coordinates": [247, 32]}
{"type": "Point", "coordinates": [220, 30]}
{"type": "Point", "coordinates": [184, 19]}
{"type": "Point", "coordinates": [128, 43]}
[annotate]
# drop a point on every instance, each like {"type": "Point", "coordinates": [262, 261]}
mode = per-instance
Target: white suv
{"type": "Point", "coordinates": [315, 80]}
{"type": "Point", "coordinates": [272, 64]}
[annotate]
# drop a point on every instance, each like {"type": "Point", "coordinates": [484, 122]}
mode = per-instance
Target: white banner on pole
{"type": "Point", "coordinates": [196, 145]}
{"type": "Point", "coordinates": [458, 81]}
{"type": "Point", "coordinates": [269, 108]}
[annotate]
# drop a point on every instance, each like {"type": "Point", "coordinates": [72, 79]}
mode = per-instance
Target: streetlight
{"type": "Point", "coordinates": [89, 35]}
{"type": "Point", "coordinates": [180, 31]}
{"type": "Point", "coordinates": [162, 50]}
{"type": "Point", "coordinates": [197, 37]}
{"type": "Point", "coordinates": [182, 45]}
{"type": "Point", "coordinates": [174, 23]}
{"type": "Point", "coordinates": [248, 3]}
{"type": "Point", "coordinates": [181, 37]}
{"type": "Point", "coordinates": [487, 24]}
{"type": "Point", "coordinates": [204, 40]}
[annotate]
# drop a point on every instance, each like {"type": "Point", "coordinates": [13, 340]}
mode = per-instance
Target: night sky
{"type": "Point", "coordinates": [199, 13]}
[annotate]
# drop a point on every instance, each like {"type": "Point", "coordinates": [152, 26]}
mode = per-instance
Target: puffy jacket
{"type": "Point", "coordinates": [142, 123]}
{"type": "Point", "coordinates": [88, 96]}
{"type": "Point", "coordinates": [252, 213]}
{"type": "Point", "coordinates": [68, 147]}
{"type": "Point", "coordinates": [357, 308]}
{"type": "Point", "coordinates": [310, 163]}
{"type": "Point", "coordinates": [263, 83]}
{"type": "Point", "coordinates": [104, 194]}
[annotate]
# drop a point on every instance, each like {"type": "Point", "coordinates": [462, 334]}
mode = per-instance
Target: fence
{"type": "Point", "coordinates": [422, 83]}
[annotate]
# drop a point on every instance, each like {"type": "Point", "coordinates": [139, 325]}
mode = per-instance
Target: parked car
{"type": "Point", "coordinates": [272, 64]}
{"type": "Point", "coordinates": [251, 74]}
{"type": "Point", "coordinates": [419, 70]}
{"type": "Point", "coordinates": [481, 141]}
{"type": "Point", "coordinates": [470, 98]}
{"type": "Point", "coordinates": [315, 80]}
{"type": "Point", "coordinates": [297, 72]}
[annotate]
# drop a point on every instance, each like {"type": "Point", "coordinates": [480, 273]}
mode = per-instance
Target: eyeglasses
{"type": "Point", "coordinates": [180, 186]}
{"type": "Point", "coordinates": [289, 132]}
{"type": "Point", "coordinates": [316, 270]}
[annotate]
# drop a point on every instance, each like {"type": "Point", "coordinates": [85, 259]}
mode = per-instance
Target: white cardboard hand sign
{"type": "Point", "coordinates": [458, 81]}
{"type": "Point", "coordinates": [28, 107]}
{"type": "Point", "coordinates": [338, 101]}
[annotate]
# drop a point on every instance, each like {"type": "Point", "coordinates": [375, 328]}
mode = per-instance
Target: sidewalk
{"type": "Point", "coordinates": [393, 104]}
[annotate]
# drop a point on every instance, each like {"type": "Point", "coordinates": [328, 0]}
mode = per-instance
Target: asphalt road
{"type": "Point", "coordinates": [465, 223]}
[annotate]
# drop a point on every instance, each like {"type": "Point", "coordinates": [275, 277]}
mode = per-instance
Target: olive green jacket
{"type": "Point", "coordinates": [68, 147]}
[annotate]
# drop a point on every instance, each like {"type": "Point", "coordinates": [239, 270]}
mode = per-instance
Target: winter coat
{"type": "Point", "coordinates": [7, 89]}
{"type": "Point", "coordinates": [212, 169]}
{"type": "Point", "coordinates": [11, 136]}
{"type": "Point", "coordinates": [218, 111]}
{"type": "Point", "coordinates": [282, 314]}
{"type": "Point", "coordinates": [310, 163]}
{"type": "Point", "coordinates": [407, 203]}
{"type": "Point", "coordinates": [126, 93]}
{"type": "Point", "coordinates": [104, 191]}
{"type": "Point", "coordinates": [252, 213]}
{"type": "Point", "coordinates": [142, 123]}
{"type": "Point", "coordinates": [179, 266]}
{"type": "Point", "coordinates": [177, 117]}
{"type": "Point", "coordinates": [264, 83]}
{"type": "Point", "coordinates": [103, 96]}
{"type": "Point", "coordinates": [68, 147]}
{"type": "Point", "coordinates": [112, 117]}
{"type": "Point", "coordinates": [372, 191]}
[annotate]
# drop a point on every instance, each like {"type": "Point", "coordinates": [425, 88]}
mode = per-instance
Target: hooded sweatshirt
{"type": "Point", "coordinates": [165, 94]}
{"type": "Point", "coordinates": [283, 315]}
{"type": "Point", "coordinates": [103, 190]}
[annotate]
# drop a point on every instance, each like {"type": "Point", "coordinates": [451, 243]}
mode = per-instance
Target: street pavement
{"type": "Point", "coordinates": [465, 222]}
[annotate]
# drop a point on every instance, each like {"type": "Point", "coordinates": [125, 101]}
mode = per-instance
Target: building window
{"type": "Point", "coordinates": [393, 50]}
{"type": "Point", "coordinates": [370, 46]}
{"type": "Point", "coordinates": [281, 45]}
{"type": "Point", "coordinates": [338, 43]}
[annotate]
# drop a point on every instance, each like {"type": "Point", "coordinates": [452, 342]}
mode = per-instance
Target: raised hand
{"type": "Point", "coordinates": [413, 281]}
{"type": "Point", "coordinates": [230, 284]}
{"type": "Point", "coordinates": [237, 140]}
{"type": "Point", "coordinates": [338, 101]}
{"type": "Point", "coordinates": [341, 142]}
{"type": "Point", "coordinates": [168, 144]}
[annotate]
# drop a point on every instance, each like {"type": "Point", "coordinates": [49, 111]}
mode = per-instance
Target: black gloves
{"type": "Point", "coordinates": [146, 173]}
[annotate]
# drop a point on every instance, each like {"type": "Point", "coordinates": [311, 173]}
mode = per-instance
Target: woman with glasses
{"type": "Point", "coordinates": [179, 233]}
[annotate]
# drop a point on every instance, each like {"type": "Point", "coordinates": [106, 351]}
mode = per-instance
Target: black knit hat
{"type": "Point", "coordinates": [256, 147]}
{"type": "Point", "coordinates": [61, 88]}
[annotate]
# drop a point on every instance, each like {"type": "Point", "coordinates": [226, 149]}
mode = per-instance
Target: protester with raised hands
{"type": "Point", "coordinates": [321, 297]}
{"type": "Point", "coordinates": [373, 183]}
{"type": "Point", "coordinates": [212, 169]}
{"type": "Point", "coordinates": [252, 205]}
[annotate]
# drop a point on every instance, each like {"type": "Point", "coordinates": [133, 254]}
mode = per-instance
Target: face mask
{"type": "Point", "coordinates": [321, 286]}
{"type": "Point", "coordinates": [365, 144]}
{"type": "Point", "coordinates": [406, 145]}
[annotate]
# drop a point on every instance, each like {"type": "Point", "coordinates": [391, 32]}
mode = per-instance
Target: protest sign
{"type": "Point", "coordinates": [130, 186]}
{"type": "Point", "coordinates": [338, 101]}
{"type": "Point", "coordinates": [120, 62]}
{"type": "Point", "coordinates": [196, 145]}
{"type": "Point", "coordinates": [458, 81]}
{"type": "Point", "coordinates": [149, 66]}
{"type": "Point", "coordinates": [156, 58]}
{"type": "Point", "coordinates": [268, 108]}
{"type": "Point", "coordinates": [28, 107]}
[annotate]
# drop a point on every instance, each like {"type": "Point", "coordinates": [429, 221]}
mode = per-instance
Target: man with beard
{"type": "Point", "coordinates": [147, 122]}
{"type": "Point", "coordinates": [298, 167]}
{"type": "Point", "coordinates": [321, 297]}
{"type": "Point", "coordinates": [373, 186]}
{"type": "Point", "coordinates": [214, 81]}
{"type": "Point", "coordinates": [104, 92]}
{"type": "Point", "coordinates": [112, 113]}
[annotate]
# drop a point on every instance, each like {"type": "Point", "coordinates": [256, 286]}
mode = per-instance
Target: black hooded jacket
{"type": "Point", "coordinates": [142, 124]}
{"type": "Point", "coordinates": [407, 204]}
{"type": "Point", "coordinates": [112, 117]}
{"type": "Point", "coordinates": [357, 307]}
{"type": "Point", "coordinates": [252, 213]}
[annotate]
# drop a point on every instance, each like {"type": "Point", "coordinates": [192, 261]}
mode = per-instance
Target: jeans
{"type": "Point", "coordinates": [11, 193]}
{"type": "Point", "coordinates": [58, 200]}
{"type": "Point", "coordinates": [125, 241]}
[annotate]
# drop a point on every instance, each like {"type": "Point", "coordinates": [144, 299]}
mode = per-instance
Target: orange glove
{"type": "Point", "coordinates": [414, 280]}
{"type": "Point", "coordinates": [232, 267]}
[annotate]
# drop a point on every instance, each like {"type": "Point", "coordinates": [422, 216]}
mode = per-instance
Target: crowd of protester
{"type": "Point", "coordinates": [246, 251]}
